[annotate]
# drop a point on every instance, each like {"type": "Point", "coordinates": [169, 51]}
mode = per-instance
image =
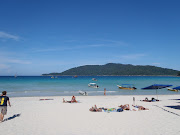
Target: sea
{"type": "Point", "coordinates": [31, 86]}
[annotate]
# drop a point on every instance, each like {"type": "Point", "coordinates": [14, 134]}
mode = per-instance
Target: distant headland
{"type": "Point", "coordinates": [114, 69]}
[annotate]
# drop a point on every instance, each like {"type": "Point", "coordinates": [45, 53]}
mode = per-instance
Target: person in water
{"type": "Point", "coordinates": [104, 91]}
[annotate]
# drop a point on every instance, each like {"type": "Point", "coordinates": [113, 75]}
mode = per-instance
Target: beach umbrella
{"type": "Point", "coordinates": [156, 87]}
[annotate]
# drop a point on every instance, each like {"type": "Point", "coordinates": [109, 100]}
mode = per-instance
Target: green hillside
{"type": "Point", "coordinates": [117, 69]}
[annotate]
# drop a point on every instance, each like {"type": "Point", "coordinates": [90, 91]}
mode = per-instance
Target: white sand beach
{"type": "Point", "coordinates": [30, 116]}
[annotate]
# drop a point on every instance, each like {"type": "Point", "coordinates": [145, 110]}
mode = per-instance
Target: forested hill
{"type": "Point", "coordinates": [117, 69]}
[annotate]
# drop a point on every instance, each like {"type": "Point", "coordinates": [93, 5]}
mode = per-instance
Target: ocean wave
{"type": "Point", "coordinates": [100, 91]}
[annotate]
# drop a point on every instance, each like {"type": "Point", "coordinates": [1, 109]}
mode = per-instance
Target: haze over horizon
{"type": "Point", "coordinates": [44, 36]}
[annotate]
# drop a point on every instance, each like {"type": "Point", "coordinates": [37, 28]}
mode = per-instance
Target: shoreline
{"type": "Point", "coordinates": [87, 75]}
{"type": "Point", "coordinates": [177, 94]}
{"type": "Point", "coordinates": [113, 75]}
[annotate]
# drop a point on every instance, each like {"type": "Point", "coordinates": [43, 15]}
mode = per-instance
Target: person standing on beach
{"type": "Point", "coordinates": [3, 105]}
{"type": "Point", "coordinates": [104, 91]}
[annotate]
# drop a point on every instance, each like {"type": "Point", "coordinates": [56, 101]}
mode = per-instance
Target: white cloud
{"type": "Point", "coordinates": [132, 56]}
{"type": "Point", "coordinates": [4, 66]}
{"type": "Point", "coordinates": [70, 48]}
{"type": "Point", "coordinates": [115, 42]}
{"type": "Point", "coordinates": [6, 60]}
{"type": "Point", "coordinates": [5, 35]}
{"type": "Point", "coordinates": [18, 61]}
{"type": "Point", "coordinates": [157, 64]}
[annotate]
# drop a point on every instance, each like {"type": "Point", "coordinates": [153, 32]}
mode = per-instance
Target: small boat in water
{"type": "Point", "coordinates": [94, 79]}
{"type": "Point", "coordinates": [93, 85]}
{"type": "Point", "coordinates": [83, 93]}
{"type": "Point", "coordinates": [170, 89]}
{"type": "Point", "coordinates": [127, 87]}
{"type": "Point", "coordinates": [176, 89]}
{"type": "Point", "coordinates": [52, 77]}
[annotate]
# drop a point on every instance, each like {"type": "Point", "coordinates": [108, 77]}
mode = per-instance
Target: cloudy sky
{"type": "Point", "coordinates": [43, 36]}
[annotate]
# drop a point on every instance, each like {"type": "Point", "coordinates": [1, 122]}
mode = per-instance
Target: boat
{"type": "Point", "coordinates": [94, 79]}
{"type": "Point", "coordinates": [52, 77]}
{"type": "Point", "coordinates": [127, 87]}
{"type": "Point", "coordinates": [176, 89]}
{"type": "Point", "coordinates": [170, 89]}
{"type": "Point", "coordinates": [93, 85]}
{"type": "Point", "coordinates": [84, 93]}
{"type": "Point", "coordinates": [75, 76]}
{"type": "Point", "coordinates": [15, 76]}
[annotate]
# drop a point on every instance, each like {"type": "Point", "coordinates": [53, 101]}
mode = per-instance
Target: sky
{"type": "Point", "coordinates": [46, 36]}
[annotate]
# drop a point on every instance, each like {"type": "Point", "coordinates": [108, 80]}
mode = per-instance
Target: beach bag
{"type": "Point", "coordinates": [119, 110]}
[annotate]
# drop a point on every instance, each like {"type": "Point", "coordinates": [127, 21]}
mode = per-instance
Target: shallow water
{"type": "Point", "coordinates": [67, 85]}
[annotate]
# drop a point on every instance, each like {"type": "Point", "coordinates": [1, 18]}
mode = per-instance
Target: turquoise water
{"type": "Point", "coordinates": [24, 86]}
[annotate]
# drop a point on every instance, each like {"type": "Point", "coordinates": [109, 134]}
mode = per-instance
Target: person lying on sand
{"type": "Point", "coordinates": [140, 107]}
{"type": "Point", "coordinates": [125, 107]}
{"type": "Point", "coordinates": [152, 100]}
{"type": "Point", "coordinates": [65, 101]}
{"type": "Point", "coordinates": [95, 109]}
{"type": "Point", "coordinates": [73, 100]}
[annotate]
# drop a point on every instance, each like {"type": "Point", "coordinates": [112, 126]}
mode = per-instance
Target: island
{"type": "Point", "coordinates": [116, 69]}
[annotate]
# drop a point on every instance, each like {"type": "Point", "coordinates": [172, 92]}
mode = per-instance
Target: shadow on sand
{"type": "Point", "coordinates": [174, 107]}
{"type": "Point", "coordinates": [12, 117]}
{"type": "Point", "coordinates": [167, 110]}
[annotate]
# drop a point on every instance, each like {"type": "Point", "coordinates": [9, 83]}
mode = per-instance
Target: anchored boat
{"type": "Point", "coordinates": [127, 87]}
{"type": "Point", "coordinates": [93, 85]}
{"type": "Point", "coordinates": [176, 89]}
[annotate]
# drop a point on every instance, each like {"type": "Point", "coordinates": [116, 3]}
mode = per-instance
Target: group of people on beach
{"type": "Point", "coordinates": [120, 109]}
{"type": "Point", "coordinates": [5, 99]}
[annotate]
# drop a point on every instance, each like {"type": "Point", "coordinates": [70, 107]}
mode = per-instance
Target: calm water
{"type": "Point", "coordinates": [67, 85]}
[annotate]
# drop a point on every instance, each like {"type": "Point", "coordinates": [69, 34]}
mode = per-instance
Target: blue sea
{"type": "Point", "coordinates": [28, 86]}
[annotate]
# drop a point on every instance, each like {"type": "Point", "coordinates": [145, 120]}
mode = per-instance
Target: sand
{"type": "Point", "coordinates": [30, 116]}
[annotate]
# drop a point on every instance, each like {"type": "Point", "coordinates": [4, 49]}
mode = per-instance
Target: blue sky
{"type": "Point", "coordinates": [44, 36]}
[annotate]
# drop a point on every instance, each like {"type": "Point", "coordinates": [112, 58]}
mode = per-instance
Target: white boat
{"type": "Point", "coordinates": [94, 79]}
{"type": "Point", "coordinates": [15, 76]}
{"type": "Point", "coordinates": [52, 77]}
{"type": "Point", "coordinates": [93, 85]}
{"type": "Point", "coordinates": [83, 93]}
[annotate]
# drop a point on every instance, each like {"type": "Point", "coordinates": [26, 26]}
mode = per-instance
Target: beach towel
{"type": "Point", "coordinates": [71, 102]}
{"type": "Point", "coordinates": [110, 110]}
{"type": "Point", "coordinates": [46, 99]}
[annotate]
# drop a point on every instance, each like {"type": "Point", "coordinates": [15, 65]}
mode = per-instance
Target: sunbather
{"type": "Point", "coordinates": [73, 100]}
{"type": "Point", "coordinates": [95, 109]}
{"type": "Point", "coordinates": [140, 107]}
{"type": "Point", "coordinates": [65, 101]}
{"type": "Point", "coordinates": [152, 100]}
{"type": "Point", "coordinates": [125, 107]}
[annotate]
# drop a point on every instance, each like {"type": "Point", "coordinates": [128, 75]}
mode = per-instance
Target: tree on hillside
{"type": "Point", "coordinates": [178, 73]}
